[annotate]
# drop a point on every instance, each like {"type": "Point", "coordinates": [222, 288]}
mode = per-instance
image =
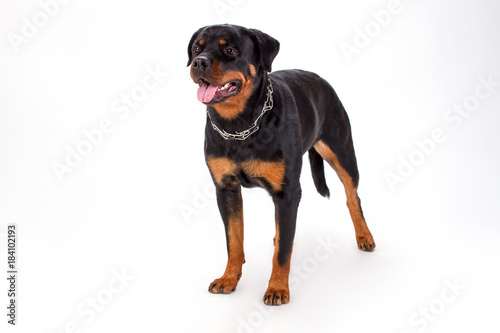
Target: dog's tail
{"type": "Point", "coordinates": [318, 172]}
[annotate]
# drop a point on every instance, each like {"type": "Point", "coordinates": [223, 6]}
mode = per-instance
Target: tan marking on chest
{"type": "Point", "coordinates": [272, 172]}
{"type": "Point", "coordinates": [221, 167]}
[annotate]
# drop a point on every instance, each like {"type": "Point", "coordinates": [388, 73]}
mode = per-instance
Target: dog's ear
{"type": "Point", "coordinates": [267, 47]}
{"type": "Point", "coordinates": [190, 46]}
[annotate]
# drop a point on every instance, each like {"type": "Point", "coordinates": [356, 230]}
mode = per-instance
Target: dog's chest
{"type": "Point", "coordinates": [250, 173]}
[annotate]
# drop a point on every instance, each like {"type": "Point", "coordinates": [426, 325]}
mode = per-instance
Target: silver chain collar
{"type": "Point", "coordinates": [268, 105]}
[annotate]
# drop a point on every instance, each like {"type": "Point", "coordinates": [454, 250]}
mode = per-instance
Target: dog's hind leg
{"type": "Point", "coordinates": [345, 166]}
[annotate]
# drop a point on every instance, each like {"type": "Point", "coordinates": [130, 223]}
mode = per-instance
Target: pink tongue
{"type": "Point", "coordinates": [206, 92]}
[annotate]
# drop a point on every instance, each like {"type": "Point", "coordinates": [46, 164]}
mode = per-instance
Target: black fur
{"type": "Point", "coordinates": [318, 172]}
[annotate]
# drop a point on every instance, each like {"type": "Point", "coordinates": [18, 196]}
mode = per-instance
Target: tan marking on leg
{"type": "Point", "coordinates": [236, 257]}
{"type": "Point", "coordinates": [278, 292]}
{"type": "Point", "coordinates": [363, 236]}
{"type": "Point", "coordinates": [221, 167]}
{"type": "Point", "coordinates": [272, 172]}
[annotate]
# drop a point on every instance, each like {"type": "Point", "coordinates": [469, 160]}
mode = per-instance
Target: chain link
{"type": "Point", "coordinates": [268, 105]}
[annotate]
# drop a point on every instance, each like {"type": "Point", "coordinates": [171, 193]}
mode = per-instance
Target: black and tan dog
{"type": "Point", "coordinates": [259, 125]}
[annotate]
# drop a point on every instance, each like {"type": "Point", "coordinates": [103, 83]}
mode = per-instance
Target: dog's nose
{"type": "Point", "coordinates": [201, 63]}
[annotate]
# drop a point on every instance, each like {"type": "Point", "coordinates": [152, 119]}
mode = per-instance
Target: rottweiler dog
{"type": "Point", "coordinates": [259, 125]}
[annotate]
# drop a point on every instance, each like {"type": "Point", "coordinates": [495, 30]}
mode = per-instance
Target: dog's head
{"type": "Point", "coordinates": [225, 61]}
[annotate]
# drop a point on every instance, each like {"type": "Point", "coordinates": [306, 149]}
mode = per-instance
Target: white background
{"type": "Point", "coordinates": [121, 209]}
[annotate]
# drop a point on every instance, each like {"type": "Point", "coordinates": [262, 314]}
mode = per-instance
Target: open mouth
{"type": "Point", "coordinates": [212, 93]}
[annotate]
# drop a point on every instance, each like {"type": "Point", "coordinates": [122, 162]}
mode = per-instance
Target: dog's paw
{"type": "Point", "coordinates": [276, 296]}
{"type": "Point", "coordinates": [224, 285]}
{"type": "Point", "coordinates": [366, 243]}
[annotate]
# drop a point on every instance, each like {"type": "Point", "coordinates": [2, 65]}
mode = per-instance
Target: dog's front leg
{"type": "Point", "coordinates": [230, 205]}
{"type": "Point", "coordinates": [286, 205]}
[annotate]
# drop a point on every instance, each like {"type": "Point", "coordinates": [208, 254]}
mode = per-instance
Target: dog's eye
{"type": "Point", "coordinates": [231, 51]}
{"type": "Point", "coordinates": [196, 49]}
